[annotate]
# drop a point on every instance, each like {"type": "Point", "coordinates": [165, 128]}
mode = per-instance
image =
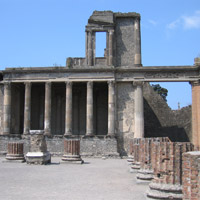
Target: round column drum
{"type": "Point", "coordinates": [15, 151]}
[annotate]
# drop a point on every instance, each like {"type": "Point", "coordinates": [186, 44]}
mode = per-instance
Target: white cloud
{"type": "Point", "coordinates": [154, 23]}
{"type": "Point", "coordinates": [187, 22]}
{"type": "Point", "coordinates": [173, 24]}
{"type": "Point", "coordinates": [192, 21]}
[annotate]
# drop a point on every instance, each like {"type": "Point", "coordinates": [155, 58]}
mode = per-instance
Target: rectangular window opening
{"type": "Point", "coordinates": [100, 44]}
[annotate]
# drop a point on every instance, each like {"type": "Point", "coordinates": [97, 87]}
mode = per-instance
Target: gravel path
{"type": "Point", "coordinates": [97, 179]}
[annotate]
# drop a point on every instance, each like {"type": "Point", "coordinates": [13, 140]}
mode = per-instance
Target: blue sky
{"type": "Point", "coordinates": [45, 32]}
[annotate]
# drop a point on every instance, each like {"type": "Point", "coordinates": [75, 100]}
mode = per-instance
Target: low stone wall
{"type": "Point", "coordinates": [89, 146]}
{"type": "Point", "coordinates": [191, 175]}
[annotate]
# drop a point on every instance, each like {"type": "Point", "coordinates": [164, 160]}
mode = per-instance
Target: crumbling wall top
{"type": "Point", "coordinates": [108, 17]}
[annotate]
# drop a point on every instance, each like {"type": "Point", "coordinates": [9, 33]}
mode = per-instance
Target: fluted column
{"type": "Point", "coordinates": [139, 110]}
{"type": "Point", "coordinates": [68, 111]}
{"type": "Point", "coordinates": [27, 108]}
{"type": "Point", "coordinates": [89, 116]}
{"type": "Point", "coordinates": [47, 112]}
{"type": "Point", "coordinates": [7, 109]}
{"type": "Point", "coordinates": [110, 58]}
{"type": "Point", "coordinates": [111, 108]}
{"type": "Point", "coordinates": [137, 42]}
{"type": "Point", "coordinates": [196, 114]}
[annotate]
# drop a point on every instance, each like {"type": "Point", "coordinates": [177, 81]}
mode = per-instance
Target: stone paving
{"type": "Point", "coordinates": [96, 179]}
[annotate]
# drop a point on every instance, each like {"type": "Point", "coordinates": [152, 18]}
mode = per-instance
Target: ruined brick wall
{"type": "Point", "coordinates": [161, 121]}
{"type": "Point", "coordinates": [191, 175]}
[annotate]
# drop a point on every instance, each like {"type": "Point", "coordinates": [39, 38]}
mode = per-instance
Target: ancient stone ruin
{"type": "Point", "coordinates": [102, 101]}
{"type": "Point", "coordinates": [38, 149]}
{"type": "Point", "coordinates": [106, 102]}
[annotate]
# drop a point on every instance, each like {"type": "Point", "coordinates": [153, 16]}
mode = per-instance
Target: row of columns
{"type": "Point", "coordinates": [90, 47]}
{"type": "Point", "coordinates": [68, 111]}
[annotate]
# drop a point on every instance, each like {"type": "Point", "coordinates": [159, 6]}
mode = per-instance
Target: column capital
{"type": "Point", "coordinates": [138, 83]}
{"type": "Point", "coordinates": [111, 31]}
{"type": "Point", "coordinates": [69, 83]}
{"type": "Point", "coordinates": [7, 83]}
{"type": "Point", "coordinates": [111, 82]}
{"type": "Point", "coordinates": [48, 83]}
{"type": "Point", "coordinates": [27, 84]}
{"type": "Point", "coordinates": [90, 84]}
{"type": "Point", "coordinates": [195, 83]}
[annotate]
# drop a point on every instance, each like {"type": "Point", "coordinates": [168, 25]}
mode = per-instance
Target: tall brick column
{"type": "Point", "coordinates": [68, 111]}
{"type": "Point", "coordinates": [7, 109]}
{"type": "Point", "coordinates": [167, 182]}
{"type": "Point", "coordinates": [191, 175]}
{"type": "Point", "coordinates": [148, 157]}
{"type": "Point", "coordinates": [27, 108]}
{"type": "Point", "coordinates": [136, 154]}
{"type": "Point", "coordinates": [89, 107]}
{"type": "Point", "coordinates": [47, 113]}
{"type": "Point", "coordinates": [196, 114]}
{"type": "Point", "coordinates": [139, 110]}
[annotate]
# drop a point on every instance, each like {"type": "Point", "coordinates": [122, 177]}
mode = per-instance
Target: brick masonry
{"type": "Point", "coordinates": [191, 175]}
{"type": "Point", "coordinates": [167, 182]}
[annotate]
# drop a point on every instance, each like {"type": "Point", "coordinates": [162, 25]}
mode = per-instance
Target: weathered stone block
{"type": "Point", "coordinates": [38, 153]}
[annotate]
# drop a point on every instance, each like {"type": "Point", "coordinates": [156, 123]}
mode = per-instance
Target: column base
{"type": "Point", "coordinates": [15, 157]}
{"type": "Point", "coordinates": [89, 135]}
{"type": "Point", "coordinates": [130, 160]}
{"type": "Point", "coordinates": [144, 175]}
{"type": "Point", "coordinates": [38, 158]}
{"type": "Point", "coordinates": [111, 136]}
{"type": "Point", "coordinates": [68, 134]}
{"type": "Point", "coordinates": [5, 134]}
{"type": "Point", "coordinates": [72, 159]}
{"type": "Point", "coordinates": [135, 166]}
{"type": "Point", "coordinates": [164, 191]}
{"type": "Point", "coordinates": [47, 133]}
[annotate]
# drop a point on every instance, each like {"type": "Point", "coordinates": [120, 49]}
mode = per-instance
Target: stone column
{"type": "Point", "coordinates": [111, 108]}
{"type": "Point", "coordinates": [139, 110]}
{"type": "Point", "coordinates": [86, 46]}
{"type": "Point", "coordinates": [47, 113]}
{"type": "Point", "coordinates": [90, 58]}
{"type": "Point", "coordinates": [93, 47]}
{"type": "Point", "coordinates": [196, 114]}
{"type": "Point", "coordinates": [27, 108]}
{"type": "Point", "coordinates": [110, 50]}
{"type": "Point", "coordinates": [137, 42]}
{"type": "Point", "coordinates": [89, 116]}
{"type": "Point", "coordinates": [7, 109]}
{"type": "Point", "coordinates": [68, 111]}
